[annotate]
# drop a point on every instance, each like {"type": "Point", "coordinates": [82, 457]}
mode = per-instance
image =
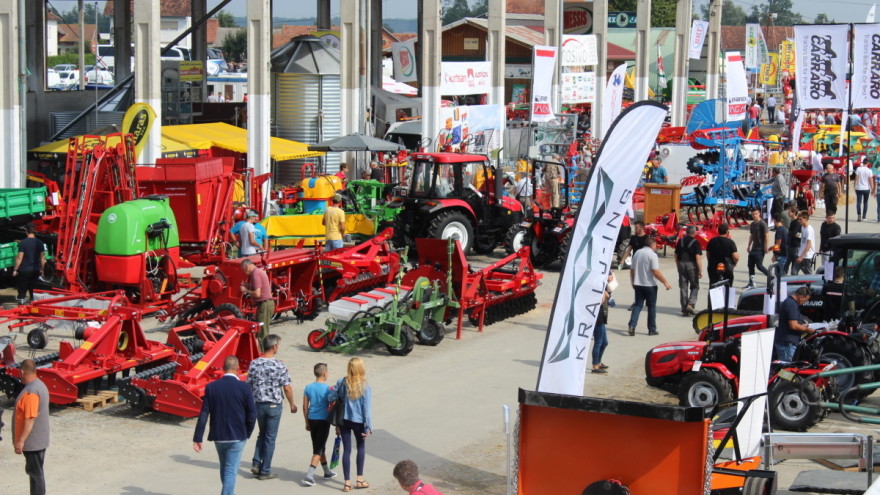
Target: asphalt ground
{"type": "Point", "coordinates": [439, 406]}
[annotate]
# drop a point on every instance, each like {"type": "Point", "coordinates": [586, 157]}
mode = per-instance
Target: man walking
{"type": "Point", "coordinates": [334, 224]}
{"type": "Point", "coordinates": [779, 191]}
{"type": "Point", "coordinates": [721, 250]}
{"type": "Point", "coordinates": [832, 186]}
{"type": "Point", "coordinates": [688, 257]}
{"type": "Point", "coordinates": [268, 378]}
{"type": "Point", "coordinates": [780, 245]}
{"type": "Point", "coordinates": [229, 406]}
{"type": "Point", "coordinates": [31, 421]}
{"type": "Point", "coordinates": [864, 183]}
{"type": "Point", "coordinates": [829, 228]}
{"type": "Point", "coordinates": [807, 249]}
{"type": "Point", "coordinates": [636, 241]}
{"type": "Point", "coordinates": [794, 240]}
{"type": "Point", "coordinates": [643, 272]}
{"type": "Point", "coordinates": [524, 193]}
{"type": "Point", "coordinates": [759, 239]}
{"type": "Point", "coordinates": [771, 109]}
{"type": "Point", "coordinates": [790, 327]}
{"type": "Point", "coordinates": [259, 290]}
{"type": "Point", "coordinates": [29, 264]}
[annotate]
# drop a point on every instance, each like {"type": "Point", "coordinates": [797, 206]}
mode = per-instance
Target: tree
{"type": "Point", "coordinates": [226, 19]}
{"type": "Point", "coordinates": [731, 14]}
{"type": "Point", "coordinates": [235, 46]}
{"type": "Point", "coordinates": [823, 19]}
{"type": "Point", "coordinates": [662, 11]}
{"type": "Point", "coordinates": [782, 8]}
{"type": "Point", "coordinates": [89, 13]}
{"type": "Point", "coordinates": [454, 10]}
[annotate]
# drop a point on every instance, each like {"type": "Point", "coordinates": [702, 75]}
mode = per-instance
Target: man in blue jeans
{"type": "Point", "coordinates": [790, 327]}
{"type": "Point", "coordinates": [269, 378]}
{"type": "Point", "coordinates": [645, 268]}
{"type": "Point", "coordinates": [229, 405]}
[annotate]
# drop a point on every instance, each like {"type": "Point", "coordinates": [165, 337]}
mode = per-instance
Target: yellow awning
{"type": "Point", "coordinates": [233, 138]}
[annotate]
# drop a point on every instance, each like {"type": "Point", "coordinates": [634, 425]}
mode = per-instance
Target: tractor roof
{"type": "Point", "coordinates": [870, 242]}
{"type": "Point", "coordinates": [449, 157]}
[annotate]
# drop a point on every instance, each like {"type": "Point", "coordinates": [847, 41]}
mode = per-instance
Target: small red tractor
{"type": "Point", "coordinates": [456, 195]}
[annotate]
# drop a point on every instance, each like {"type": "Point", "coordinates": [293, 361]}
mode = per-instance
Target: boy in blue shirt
{"type": "Point", "coordinates": [315, 405]}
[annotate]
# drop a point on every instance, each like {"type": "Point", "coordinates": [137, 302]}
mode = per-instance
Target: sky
{"type": "Point", "coordinates": [399, 9]}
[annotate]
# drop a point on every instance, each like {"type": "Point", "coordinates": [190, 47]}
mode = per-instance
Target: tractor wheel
{"type": "Point", "coordinates": [794, 406]}
{"type": "Point", "coordinates": [193, 313]}
{"type": "Point", "coordinates": [452, 223]}
{"type": "Point", "coordinates": [544, 252]}
{"type": "Point", "coordinates": [757, 486]}
{"type": "Point", "coordinates": [484, 245]}
{"type": "Point", "coordinates": [227, 309]}
{"type": "Point", "coordinates": [431, 333]}
{"type": "Point", "coordinates": [566, 245]}
{"type": "Point", "coordinates": [516, 239]}
{"type": "Point", "coordinates": [406, 343]}
{"type": "Point", "coordinates": [847, 354]}
{"type": "Point", "coordinates": [318, 340]}
{"type": "Point", "coordinates": [705, 388]}
{"type": "Point", "coordinates": [135, 396]}
{"type": "Point", "coordinates": [36, 339]}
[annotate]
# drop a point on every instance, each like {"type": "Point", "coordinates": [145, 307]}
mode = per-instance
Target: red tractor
{"type": "Point", "coordinates": [456, 195]}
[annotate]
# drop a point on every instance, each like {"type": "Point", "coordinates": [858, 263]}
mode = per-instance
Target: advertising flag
{"type": "Point", "coordinates": [613, 97]}
{"type": "Point", "coordinates": [542, 83]}
{"type": "Point", "coordinates": [871, 13]}
{"type": "Point", "coordinates": [820, 54]}
{"type": "Point", "coordinates": [866, 66]}
{"type": "Point", "coordinates": [465, 78]}
{"type": "Point", "coordinates": [786, 56]}
{"type": "Point", "coordinates": [767, 74]}
{"type": "Point", "coordinates": [661, 72]}
{"type": "Point", "coordinates": [137, 121]}
{"type": "Point", "coordinates": [753, 56]}
{"type": "Point", "coordinates": [403, 53]}
{"type": "Point", "coordinates": [608, 194]}
{"type": "Point", "coordinates": [698, 36]}
{"type": "Point", "coordinates": [737, 88]}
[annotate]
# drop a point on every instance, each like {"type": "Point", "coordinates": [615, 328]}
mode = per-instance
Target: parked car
{"type": "Point", "coordinates": [64, 67]}
{"type": "Point", "coordinates": [99, 76]}
{"type": "Point", "coordinates": [67, 79]}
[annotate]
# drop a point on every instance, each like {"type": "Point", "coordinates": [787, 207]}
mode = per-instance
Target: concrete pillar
{"type": "Point", "coordinates": [644, 50]}
{"type": "Point", "coordinates": [553, 37]}
{"type": "Point", "coordinates": [199, 45]}
{"type": "Point", "coordinates": [122, 36]}
{"type": "Point", "coordinates": [600, 29]}
{"type": "Point", "coordinates": [495, 51]}
{"type": "Point", "coordinates": [430, 38]}
{"type": "Point", "coordinates": [148, 76]}
{"type": "Point", "coordinates": [323, 21]}
{"type": "Point", "coordinates": [713, 50]}
{"type": "Point", "coordinates": [680, 69]}
{"type": "Point", "coordinates": [349, 57]}
{"type": "Point", "coordinates": [259, 38]}
{"type": "Point", "coordinates": [11, 122]}
{"type": "Point", "coordinates": [81, 44]}
{"type": "Point", "coordinates": [375, 33]}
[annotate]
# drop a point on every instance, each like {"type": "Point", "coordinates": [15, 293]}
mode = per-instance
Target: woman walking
{"type": "Point", "coordinates": [354, 393]}
{"type": "Point", "coordinates": [600, 336]}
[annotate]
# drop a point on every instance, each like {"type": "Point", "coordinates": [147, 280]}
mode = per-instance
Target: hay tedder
{"type": "Point", "coordinates": [441, 288]}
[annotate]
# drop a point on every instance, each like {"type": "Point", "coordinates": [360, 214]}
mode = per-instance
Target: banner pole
{"type": "Point", "coordinates": [848, 127]}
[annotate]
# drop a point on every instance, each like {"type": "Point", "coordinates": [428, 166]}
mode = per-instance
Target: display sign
{"type": "Point", "coordinates": [191, 70]}
{"type": "Point", "coordinates": [579, 50]}
{"type": "Point", "coordinates": [403, 55]}
{"type": "Point", "coordinates": [820, 65]}
{"type": "Point", "coordinates": [517, 71]}
{"type": "Point", "coordinates": [621, 19]}
{"type": "Point", "coordinates": [577, 18]}
{"type": "Point", "coordinates": [471, 43]}
{"type": "Point", "coordinates": [465, 78]}
{"type": "Point", "coordinates": [542, 83]}
{"type": "Point", "coordinates": [698, 37]}
{"type": "Point", "coordinates": [767, 74]}
{"type": "Point", "coordinates": [578, 87]}
{"type": "Point", "coordinates": [866, 66]}
{"type": "Point", "coordinates": [737, 88]}
{"type": "Point", "coordinates": [613, 97]}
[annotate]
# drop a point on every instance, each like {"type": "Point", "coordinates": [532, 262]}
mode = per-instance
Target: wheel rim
{"type": "Point", "coordinates": [703, 394]}
{"type": "Point", "coordinates": [844, 382]}
{"type": "Point", "coordinates": [430, 331]}
{"type": "Point", "coordinates": [456, 229]}
{"type": "Point", "coordinates": [517, 242]}
{"type": "Point", "coordinates": [317, 339]}
{"type": "Point", "coordinates": [792, 406]}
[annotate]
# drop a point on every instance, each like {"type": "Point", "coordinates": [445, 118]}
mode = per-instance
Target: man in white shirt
{"type": "Point", "coordinates": [807, 250]}
{"type": "Point", "coordinates": [212, 98]}
{"type": "Point", "coordinates": [248, 244]}
{"type": "Point", "coordinates": [644, 270]}
{"type": "Point", "coordinates": [523, 190]}
{"type": "Point", "coordinates": [864, 184]}
{"type": "Point", "coordinates": [771, 109]}
{"type": "Point", "coordinates": [816, 162]}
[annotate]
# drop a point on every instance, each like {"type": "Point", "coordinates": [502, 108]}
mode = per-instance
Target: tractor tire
{"type": "Point", "coordinates": [318, 340]}
{"type": "Point", "coordinates": [543, 253]}
{"type": "Point", "coordinates": [566, 245]}
{"type": "Point", "coordinates": [227, 309]}
{"type": "Point", "coordinates": [192, 313]}
{"type": "Point", "coordinates": [794, 406]}
{"type": "Point", "coordinates": [847, 354]}
{"type": "Point", "coordinates": [757, 486]}
{"type": "Point", "coordinates": [515, 239]}
{"type": "Point", "coordinates": [705, 388]}
{"type": "Point", "coordinates": [452, 223]}
{"type": "Point", "coordinates": [431, 333]}
{"type": "Point", "coordinates": [36, 339]}
{"type": "Point", "coordinates": [484, 245]}
{"type": "Point", "coordinates": [406, 343]}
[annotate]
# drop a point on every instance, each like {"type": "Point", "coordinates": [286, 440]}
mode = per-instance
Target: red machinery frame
{"type": "Point", "coordinates": [358, 268]}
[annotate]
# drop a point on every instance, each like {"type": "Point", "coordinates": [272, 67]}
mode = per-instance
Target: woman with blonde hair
{"type": "Point", "coordinates": [354, 392]}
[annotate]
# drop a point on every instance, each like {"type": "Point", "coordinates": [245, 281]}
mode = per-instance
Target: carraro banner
{"type": "Point", "coordinates": [578, 87]}
{"type": "Point", "coordinates": [542, 83]}
{"type": "Point", "coordinates": [404, 55]}
{"type": "Point", "coordinates": [866, 66]}
{"type": "Point", "coordinates": [698, 36]}
{"type": "Point", "coordinates": [737, 88]}
{"type": "Point", "coordinates": [820, 53]}
{"type": "Point", "coordinates": [578, 50]}
{"type": "Point", "coordinates": [613, 97]}
{"type": "Point", "coordinates": [465, 78]}
{"type": "Point", "coordinates": [608, 194]}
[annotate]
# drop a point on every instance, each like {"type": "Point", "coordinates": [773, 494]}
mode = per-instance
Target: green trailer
{"type": "Point", "coordinates": [21, 205]}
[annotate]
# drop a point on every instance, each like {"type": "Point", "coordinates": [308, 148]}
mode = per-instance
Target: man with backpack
{"type": "Point", "coordinates": [688, 257]}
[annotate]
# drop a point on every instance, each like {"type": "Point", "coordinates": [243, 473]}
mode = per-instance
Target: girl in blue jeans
{"type": "Point", "coordinates": [358, 411]}
{"type": "Point", "coordinates": [600, 336]}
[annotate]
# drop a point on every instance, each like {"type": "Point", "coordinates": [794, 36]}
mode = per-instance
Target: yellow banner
{"type": "Point", "coordinates": [786, 56]}
{"type": "Point", "coordinates": [191, 71]}
{"type": "Point", "coordinates": [137, 121]}
{"type": "Point", "coordinates": [768, 71]}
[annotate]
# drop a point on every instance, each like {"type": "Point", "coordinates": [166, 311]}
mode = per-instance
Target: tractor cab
{"type": "Point", "coordinates": [857, 257]}
{"type": "Point", "coordinates": [462, 195]}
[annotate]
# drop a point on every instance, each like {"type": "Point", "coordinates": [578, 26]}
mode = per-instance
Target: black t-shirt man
{"type": "Point", "coordinates": [637, 242]}
{"type": "Point", "coordinates": [720, 250]}
{"type": "Point", "coordinates": [794, 238]}
{"type": "Point", "coordinates": [826, 232]}
{"type": "Point", "coordinates": [31, 248]}
{"type": "Point", "coordinates": [688, 249]}
{"type": "Point", "coordinates": [758, 229]}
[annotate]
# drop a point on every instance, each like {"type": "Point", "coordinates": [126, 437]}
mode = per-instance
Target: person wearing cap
{"type": "Point", "coordinates": [791, 325]}
{"type": "Point", "coordinates": [29, 264]}
{"type": "Point", "coordinates": [334, 223]}
{"type": "Point", "coordinates": [247, 237]}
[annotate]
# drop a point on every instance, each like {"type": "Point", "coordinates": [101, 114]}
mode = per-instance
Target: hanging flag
{"type": "Point", "coordinates": [137, 121]}
{"type": "Point", "coordinates": [544, 65]}
{"type": "Point", "coordinates": [752, 60]}
{"type": "Point", "coordinates": [403, 53]}
{"type": "Point", "coordinates": [871, 13]}
{"type": "Point", "coordinates": [796, 132]}
{"type": "Point", "coordinates": [763, 50]}
{"type": "Point", "coordinates": [786, 56]}
{"type": "Point", "coordinates": [866, 66]}
{"type": "Point", "coordinates": [608, 194]}
{"type": "Point", "coordinates": [767, 74]}
{"type": "Point", "coordinates": [661, 72]}
{"type": "Point", "coordinates": [613, 97]}
{"type": "Point", "coordinates": [698, 36]}
{"type": "Point", "coordinates": [820, 65]}
{"type": "Point", "coordinates": [737, 88]}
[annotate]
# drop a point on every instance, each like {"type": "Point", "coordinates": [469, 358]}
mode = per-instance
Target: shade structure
{"type": "Point", "coordinates": [230, 137]}
{"type": "Point", "coordinates": [356, 142]}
